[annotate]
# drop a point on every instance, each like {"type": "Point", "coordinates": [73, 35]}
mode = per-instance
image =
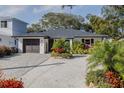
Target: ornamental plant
{"type": "Point", "coordinates": [113, 79]}
{"type": "Point", "coordinates": [58, 50]}
{"type": "Point", "coordinates": [97, 79]}
{"type": "Point", "coordinates": [61, 46]}
{"type": "Point", "coordinates": [77, 47]}
{"type": "Point", "coordinates": [110, 55]}
{"type": "Point", "coordinates": [11, 83]}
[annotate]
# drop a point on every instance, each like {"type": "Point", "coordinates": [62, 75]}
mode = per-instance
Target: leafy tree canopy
{"type": "Point", "coordinates": [113, 10]}
{"type": "Point", "coordinates": [53, 20]}
{"type": "Point", "coordinates": [115, 13]}
{"type": "Point", "coordinates": [35, 28]}
{"type": "Point", "coordinates": [61, 20]}
{"type": "Point", "coordinates": [103, 26]}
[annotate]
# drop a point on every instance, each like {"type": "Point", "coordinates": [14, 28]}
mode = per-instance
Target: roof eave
{"type": "Point", "coordinates": [30, 36]}
{"type": "Point", "coordinates": [92, 36]}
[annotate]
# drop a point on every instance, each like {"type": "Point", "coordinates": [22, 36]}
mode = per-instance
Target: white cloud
{"type": "Point", "coordinates": [11, 10]}
{"type": "Point", "coordinates": [46, 8]}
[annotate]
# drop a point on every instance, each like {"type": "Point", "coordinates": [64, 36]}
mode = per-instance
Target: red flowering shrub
{"type": "Point", "coordinates": [11, 83]}
{"type": "Point", "coordinates": [113, 79]}
{"type": "Point", "coordinates": [61, 49]}
{"type": "Point", "coordinates": [58, 50]}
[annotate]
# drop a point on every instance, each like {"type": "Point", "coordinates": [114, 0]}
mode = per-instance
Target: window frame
{"type": "Point", "coordinates": [3, 24]}
{"type": "Point", "coordinates": [0, 39]}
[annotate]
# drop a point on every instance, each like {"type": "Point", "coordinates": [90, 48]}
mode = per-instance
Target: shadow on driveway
{"type": "Point", "coordinates": [10, 56]}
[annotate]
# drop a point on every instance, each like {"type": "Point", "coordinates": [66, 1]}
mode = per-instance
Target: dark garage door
{"type": "Point", "coordinates": [31, 45]}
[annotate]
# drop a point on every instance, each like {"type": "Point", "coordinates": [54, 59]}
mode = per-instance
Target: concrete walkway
{"type": "Point", "coordinates": [58, 73]}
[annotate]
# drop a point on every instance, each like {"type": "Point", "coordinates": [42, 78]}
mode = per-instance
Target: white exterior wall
{"type": "Point", "coordinates": [20, 45]}
{"type": "Point", "coordinates": [42, 45]}
{"type": "Point", "coordinates": [71, 42]}
{"type": "Point", "coordinates": [7, 31]}
{"type": "Point", "coordinates": [46, 46]}
{"type": "Point", "coordinates": [7, 41]}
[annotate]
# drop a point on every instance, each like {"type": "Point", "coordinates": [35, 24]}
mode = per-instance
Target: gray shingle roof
{"type": "Point", "coordinates": [62, 33]}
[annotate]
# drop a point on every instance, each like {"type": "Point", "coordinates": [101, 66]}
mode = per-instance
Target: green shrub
{"type": "Point", "coordinates": [58, 43]}
{"type": "Point", "coordinates": [66, 55]}
{"type": "Point", "coordinates": [63, 55]}
{"type": "Point", "coordinates": [97, 78]}
{"type": "Point", "coordinates": [77, 47]}
{"type": "Point", "coordinates": [86, 51]}
{"type": "Point", "coordinates": [61, 44]}
{"type": "Point", "coordinates": [109, 54]}
{"type": "Point", "coordinates": [61, 48]}
{"type": "Point", "coordinates": [66, 46]}
{"type": "Point", "coordinates": [54, 54]}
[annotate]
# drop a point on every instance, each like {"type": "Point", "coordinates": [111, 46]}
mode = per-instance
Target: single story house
{"type": "Point", "coordinates": [41, 42]}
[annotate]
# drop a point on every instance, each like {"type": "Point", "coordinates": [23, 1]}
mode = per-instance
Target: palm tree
{"type": "Point", "coordinates": [108, 54]}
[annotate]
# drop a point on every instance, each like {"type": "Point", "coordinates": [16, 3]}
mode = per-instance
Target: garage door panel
{"type": "Point", "coordinates": [31, 45]}
{"type": "Point", "coordinates": [28, 49]}
{"type": "Point", "coordinates": [35, 48]}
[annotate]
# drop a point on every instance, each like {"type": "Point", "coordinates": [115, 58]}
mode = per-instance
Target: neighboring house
{"type": "Point", "coordinates": [9, 27]}
{"type": "Point", "coordinates": [13, 33]}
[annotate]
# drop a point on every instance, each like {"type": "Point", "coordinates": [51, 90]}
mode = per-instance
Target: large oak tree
{"type": "Point", "coordinates": [54, 20]}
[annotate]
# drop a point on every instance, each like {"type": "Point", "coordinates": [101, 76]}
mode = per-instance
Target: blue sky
{"type": "Point", "coordinates": [32, 13]}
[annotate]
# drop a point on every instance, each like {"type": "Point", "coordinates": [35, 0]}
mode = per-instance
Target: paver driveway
{"type": "Point", "coordinates": [58, 73]}
{"type": "Point", "coordinates": [20, 64]}
{"type": "Point", "coordinates": [37, 70]}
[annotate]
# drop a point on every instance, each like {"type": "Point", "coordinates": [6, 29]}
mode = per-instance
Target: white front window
{"type": "Point", "coordinates": [3, 24]}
